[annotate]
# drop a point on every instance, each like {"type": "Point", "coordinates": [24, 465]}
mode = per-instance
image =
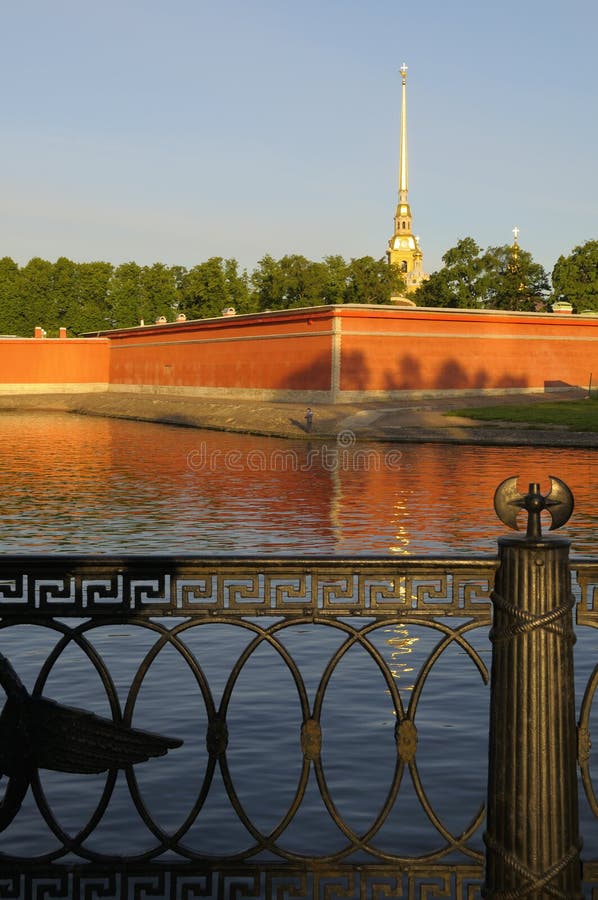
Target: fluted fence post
{"type": "Point", "coordinates": [532, 835]}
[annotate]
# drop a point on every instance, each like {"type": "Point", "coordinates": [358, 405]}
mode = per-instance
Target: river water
{"type": "Point", "coordinates": [75, 484]}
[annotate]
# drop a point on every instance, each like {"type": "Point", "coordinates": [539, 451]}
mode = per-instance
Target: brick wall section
{"type": "Point", "coordinates": [46, 364]}
{"type": "Point", "coordinates": [439, 350]}
{"type": "Point", "coordinates": [284, 352]}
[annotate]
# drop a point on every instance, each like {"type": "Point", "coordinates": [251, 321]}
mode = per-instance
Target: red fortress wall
{"type": "Point", "coordinates": [272, 354]}
{"type": "Point", "coordinates": [327, 353]}
{"type": "Point", "coordinates": [43, 365]}
{"type": "Point", "coordinates": [437, 350]}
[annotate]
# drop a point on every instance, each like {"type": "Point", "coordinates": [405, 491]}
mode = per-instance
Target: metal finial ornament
{"type": "Point", "coordinates": [508, 501]}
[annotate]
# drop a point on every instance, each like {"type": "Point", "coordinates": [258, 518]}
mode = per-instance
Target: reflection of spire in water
{"type": "Point", "coordinates": [401, 644]}
{"type": "Point", "coordinates": [336, 502]}
{"type": "Point", "coordinates": [313, 460]}
{"type": "Point", "coordinates": [401, 533]}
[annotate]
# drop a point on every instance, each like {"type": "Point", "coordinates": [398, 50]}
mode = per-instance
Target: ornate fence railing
{"type": "Point", "coordinates": [253, 727]}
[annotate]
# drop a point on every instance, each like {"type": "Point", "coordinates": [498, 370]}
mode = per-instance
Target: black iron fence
{"type": "Point", "coordinates": [200, 739]}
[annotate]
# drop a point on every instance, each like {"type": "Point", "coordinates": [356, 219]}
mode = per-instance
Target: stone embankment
{"type": "Point", "coordinates": [405, 420]}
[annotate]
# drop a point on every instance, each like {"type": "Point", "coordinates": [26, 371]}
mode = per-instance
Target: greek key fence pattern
{"type": "Point", "coordinates": [326, 883]}
{"type": "Point", "coordinates": [151, 586]}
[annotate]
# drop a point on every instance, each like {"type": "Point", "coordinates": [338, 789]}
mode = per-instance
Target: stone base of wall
{"type": "Point", "coordinates": [285, 396]}
{"type": "Point", "coordinates": [33, 388]}
{"type": "Point", "coordinates": [361, 396]}
{"type": "Point", "coordinates": [257, 394]}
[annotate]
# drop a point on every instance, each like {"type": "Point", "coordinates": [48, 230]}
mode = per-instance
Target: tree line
{"type": "Point", "coordinates": [507, 277]}
{"type": "Point", "coordinates": [97, 296]}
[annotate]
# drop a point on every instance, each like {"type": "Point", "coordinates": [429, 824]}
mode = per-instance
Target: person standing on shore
{"type": "Point", "coordinates": [309, 417]}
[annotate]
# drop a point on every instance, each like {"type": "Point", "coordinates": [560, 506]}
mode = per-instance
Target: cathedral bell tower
{"type": "Point", "coordinates": [403, 247]}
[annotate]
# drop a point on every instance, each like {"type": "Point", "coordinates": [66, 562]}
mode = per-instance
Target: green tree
{"type": "Point", "coordinates": [65, 292]}
{"type": "Point", "coordinates": [36, 296]}
{"type": "Point", "coordinates": [457, 284]}
{"type": "Point", "coordinates": [335, 283]}
{"type": "Point", "coordinates": [178, 273]}
{"type": "Point", "coordinates": [204, 290]}
{"type": "Point", "coordinates": [10, 298]}
{"type": "Point", "coordinates": [575, 277]}
{"type": "Point", "coordinates": [372, 280]}
{"type": "Point", "coordinates": [213, 286]}
{"type": "Point", "coordinates": [237, 286]}
{"type": "Point", "coordinates": [158, 292]}
{"type": "Point", "coordinates": [125, 296]}
{"type": "Point", "coordinates": [504, 277]}
{"type": "Point", "coordinates": [178, 276]}
{"type": "Point", "coordinates": [303, 281]}
{"type": "Point", "coordinates": [91, 307]}
{"type": "Point", "coordinates": [290, 282]}
{"type": "Point", "coordinates": [267, 284]}
{"type": "Point", "coordinates": [512, 280]}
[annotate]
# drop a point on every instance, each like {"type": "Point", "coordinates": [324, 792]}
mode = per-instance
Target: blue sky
{"type": "Point", "coordinates": [175, 131]}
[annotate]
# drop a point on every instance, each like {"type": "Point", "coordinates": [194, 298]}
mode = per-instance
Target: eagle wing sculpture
{"type": "Point", "coordinates": [37, 732]}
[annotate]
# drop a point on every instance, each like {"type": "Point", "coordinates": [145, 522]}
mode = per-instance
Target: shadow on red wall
{"type": "Point", "coordinates": [412, 373]}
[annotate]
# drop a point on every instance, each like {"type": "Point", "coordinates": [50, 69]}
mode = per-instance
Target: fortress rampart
{"type": "Point", "coordinates": [327, 353]}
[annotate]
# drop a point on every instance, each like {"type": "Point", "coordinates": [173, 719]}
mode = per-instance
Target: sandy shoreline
{"type": "Point", "coordinates": [404, 420]}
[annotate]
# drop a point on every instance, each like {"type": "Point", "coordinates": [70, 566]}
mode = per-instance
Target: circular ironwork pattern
{"type": "Point", "coordinates": [352, 635]}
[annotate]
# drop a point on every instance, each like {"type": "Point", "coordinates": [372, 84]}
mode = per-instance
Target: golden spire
{"type": "Point", "coordinates": [403, 248]}
{"type": "Point", "coordinates": [403, 180]}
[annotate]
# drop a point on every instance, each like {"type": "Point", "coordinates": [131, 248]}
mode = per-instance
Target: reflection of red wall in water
{"type": "Point", "coordinates": [212, 481]}
{"type": "Point", "coordinates": [296, 495]}
{"type": "Point", "coordinates": [433, 491]}
{"type": "Point", "coordinates": [341, 352]}
{"type": "Point", "coordinates": [242, 490]}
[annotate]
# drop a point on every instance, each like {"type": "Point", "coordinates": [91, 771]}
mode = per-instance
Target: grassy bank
{"type": "Point", "coordinates": [578, 415]}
